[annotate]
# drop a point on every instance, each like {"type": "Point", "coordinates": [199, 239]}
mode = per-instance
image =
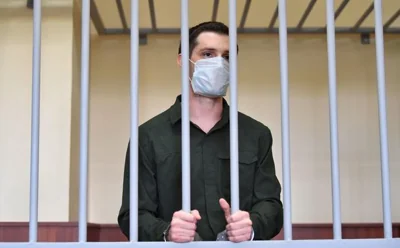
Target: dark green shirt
{"type": "Point", "coordinates": [160, 183]}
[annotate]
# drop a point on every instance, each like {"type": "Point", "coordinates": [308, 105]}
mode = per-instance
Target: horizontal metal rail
{"type": "Point", "coordinates": [343, 243]}
{"type": "Point", "coordinates": [316, 30]}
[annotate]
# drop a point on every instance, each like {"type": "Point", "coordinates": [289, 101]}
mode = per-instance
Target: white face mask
{"type": "Point", "coordinates": [211, 77]}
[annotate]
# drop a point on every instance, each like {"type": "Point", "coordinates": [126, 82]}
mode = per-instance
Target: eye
{"type": "Point", "coordinates": [226, 57]}
{"type": "Point", "coordinates": [207, 54]}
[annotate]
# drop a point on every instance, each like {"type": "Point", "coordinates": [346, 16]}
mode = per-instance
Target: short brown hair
{"type": "Point", "coordinates": [194, 32]}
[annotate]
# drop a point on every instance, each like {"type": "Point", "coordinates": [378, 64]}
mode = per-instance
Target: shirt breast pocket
{"type": "Point", "coordinates": [247, 165]}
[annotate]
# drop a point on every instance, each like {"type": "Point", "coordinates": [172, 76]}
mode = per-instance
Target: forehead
{"type": "Point", "coordinates": [213, 40]}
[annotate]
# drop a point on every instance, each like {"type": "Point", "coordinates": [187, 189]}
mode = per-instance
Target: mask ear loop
{"type": "Point", "coordinates": [190, 80]}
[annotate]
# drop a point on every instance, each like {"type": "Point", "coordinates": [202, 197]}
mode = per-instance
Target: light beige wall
{"type": "Point", "coordinates": [159, 84]}
{"type": "Point", "coordinates": [259, 87]}
{"type": "Point", "coordinates": [15, 109]}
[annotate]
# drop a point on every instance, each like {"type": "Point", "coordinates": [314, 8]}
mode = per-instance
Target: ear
{"type": "Point", "coordinates": [179, 60]}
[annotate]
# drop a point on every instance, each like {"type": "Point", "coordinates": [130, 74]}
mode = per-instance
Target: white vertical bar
{"type": "Point", "coordinates": [185, 106]}
{"type": "Point", "coordinates": [84, 122]}
{"type": "Point", "coordinates": [380, 67]}
{"type": "Point", "coordinates": [35, 121]}
{"type": "Point", "coordinates": [233, 110]}
{"type": "Point", "coordinates": [133, 228]}
{"type": "Point", "coordinates": [330, 20]}
{"type": "Point", "coordinates": [287, 224]}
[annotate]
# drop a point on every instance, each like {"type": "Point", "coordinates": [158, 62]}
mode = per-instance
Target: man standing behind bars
{"type": "Point", "coordinates": [160, 198]}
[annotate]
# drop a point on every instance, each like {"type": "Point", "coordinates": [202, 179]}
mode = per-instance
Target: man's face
{"type": "Point", "coordinates": [209, 45]}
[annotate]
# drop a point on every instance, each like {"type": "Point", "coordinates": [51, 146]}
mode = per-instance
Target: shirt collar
{"type": "Point", "coordinates": [176, 111]}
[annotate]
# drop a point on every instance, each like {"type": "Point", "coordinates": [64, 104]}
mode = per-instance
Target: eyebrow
{"type": "Point", "coordinates": [212, 49]}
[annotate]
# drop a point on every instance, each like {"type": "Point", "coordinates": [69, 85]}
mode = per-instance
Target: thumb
{"type": "Point", "coordinates": [196, 214]}
{"type": "Point", "coordinates": [225, 207]}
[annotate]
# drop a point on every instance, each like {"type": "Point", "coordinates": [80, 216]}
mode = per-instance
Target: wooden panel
{"type": "Point", "coordinates": [47, 232]}
{"type": "Point", "coordinates": [110, 233]}
{"type": "Point", "coordinates": [68, 232]}
{"type": "Point", "coordinates": [349, 231]}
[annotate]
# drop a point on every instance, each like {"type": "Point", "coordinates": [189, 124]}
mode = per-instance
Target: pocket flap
{"type": "Point", "coordinates": [245, 157]}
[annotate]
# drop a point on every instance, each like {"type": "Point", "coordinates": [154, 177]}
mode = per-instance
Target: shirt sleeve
{"type": "Point", "coordinates": [267, 211]}
{"type": "Point", "coordinates": [150, 227]}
